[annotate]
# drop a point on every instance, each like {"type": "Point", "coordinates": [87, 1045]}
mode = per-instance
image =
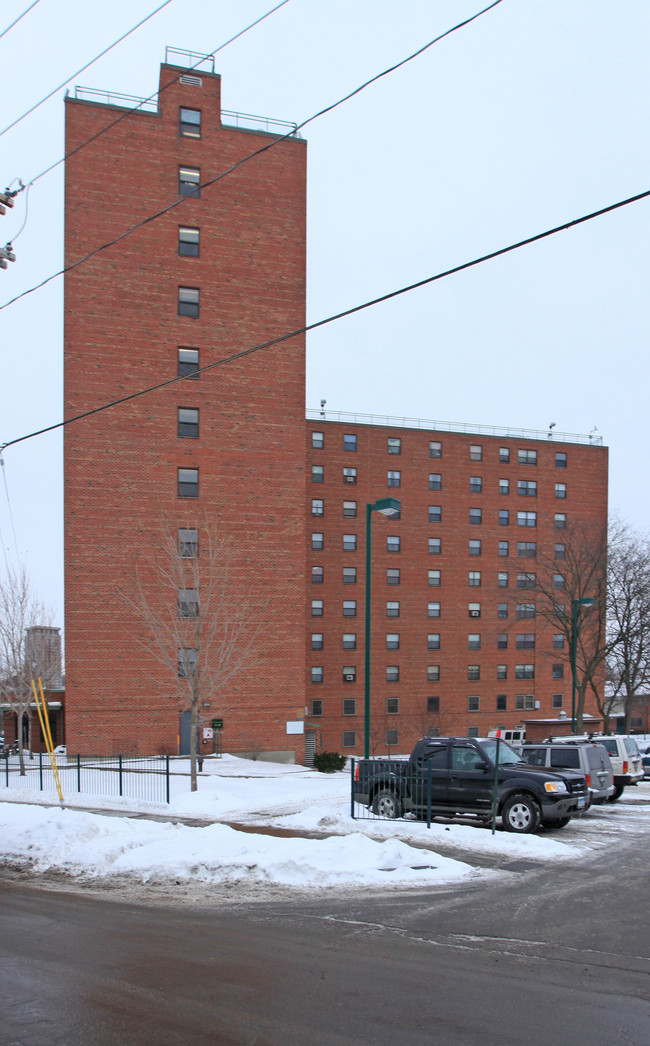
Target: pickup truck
{"type": "Point", "coordinates": [454, 776]}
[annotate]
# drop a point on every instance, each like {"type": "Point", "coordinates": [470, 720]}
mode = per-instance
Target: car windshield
{"type": "Point", "coordinates": [507, 755]}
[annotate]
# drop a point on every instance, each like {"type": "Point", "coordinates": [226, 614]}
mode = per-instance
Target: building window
{"type": "Point", "coordinates": [526, 580]}
{"type": "Point", "coordinates": [524, 671]}
{"type": "Point", "coordinates": [349, 542]}
{"type": "Point", "coordinates": [188, 422]}
{"type": "Point", "coordinates": [502, 671]}
{"type": "Point", "coordinates": [435, 481]}
{"type": "Point", "coordinates": [349, 706]}
{"type": "Point", "coordinates": [435, 514]}
{"type": "Point", "coordinates": [349, 608]}
{"type": "Point", "coordinates": [433, 609]}
{"type": "Point", "coordinates": [474, 641]}
{"type": "Point", "coordinates": [434, 577]}
{"type": "Point", "coordinates": [392, 641]}
{"type": "Point", "coordinates": [317, 575]}
{"type": "Point", "coordinates": [560, 490]}
{"type": "Point", "coordinates": [317, 506]}
{"type": "Point", "coordinates": [392, 673]}
{"type": "Point", "coordinates": [317, 674]}
{"type": "Point", "coordinates": [349, 739]}
{"type": "Point", "coordinates": [525, 610]}
{"type": "Point", "coordinates": [394, 445]}
{"type": "Point", "coordinates": [502, 610]}
{"type": "Point", "coordinates": [349, 575]}
{"type": "Point", "coordinates": [504, 455]}
{"type": "Point", "coordinates": [433, 641]}
{"type": "Point", "coordinates": [560, 460]}
{"type": "Point", "coordinates": [525, 641]}
{"type": "Point", "coordinates": [392, 705]}
{"type": "Point", "coordinates": [190, 123]}
{"type": "Point", "coordinates": [317, 608]}
{"type": "Point", "coordinates": [349, 509]}
{"type": "Point", "coordinates": [317, 708]}
{"type": "Point", "coordinates": [558, 581]}
{"type": "Point", "coordinates": [188, 543]}
{"type": "Point", "coordinates": [560, 520]}
{"type": "Point", "coordinates": [474, 609]}
{"type": "Point", "coordinates": [527, 488]}
{"type": "Point", "coordinates": [188, 241]}
{"type": "Point", "coordinates": [188, 363]}
{"type": "Point", "coordinates": [502, 641]}
{"type": "Point", "coordinates": [475, 515]}
{"type": "Point", "coordinates": [392, 576]}
{"type": "Point", "coordinates": [394, 478]}
{"type": "Point", "coordinates": [189, 181]}
{"type": "Point", "coordinates": [188, 602]}
{"type": "Point", "coordinates": [473, 704]}
{"type": "Point", "coordinates": [560, 551]}
{"type": "Point", "coordinates": [524, 701]}
{"type": "Point", "coordinates": [502, 702]}
{"type": "Point", "coordinates": [502, 579]}
{"type": "Point", "coordinates": [557, 701]}
{"type": "Point", "coordinates": [527, 549]}
{"type": "Point", "coordinates": [317, 540]}
{"type": "Point", "coordinates": [349, 641]}
{"type": "Point", "coordinates": [473, 672]}
{"type": "Point", "coordinates": [504, 486]}
{"type": "Point", "coordinates": [317, 474]}
{"type": "Point", "coordinates": [435, 546]}
{"type": "Point", "coordinates": [188, 483]}
{"type": "Point", "coordinates": [317, 640]}
{"type": "Point", "coordinates": [349, 441]}
{"type": "Point", "coordinates": [350, 476]}
{"type": "Point", "coordinates": [475, 484]}
{"type": "Point", "coordinates": [557, 671]}
{"type": "Point", "coordinates": [558, 641]}
{"type": "Point", "coordinates": [475, 547]}
{"type": "Point", "coordinates": [188, 301]}
{"type": "Point", "coordinates": [475, 579]}
{"type": "Point", "coordinates": [349, 674]}
{"type": "Point", "coordinates": [435, 448]}
{"type": "Point", "coordinates": [433, 673]}
{"type": "Point", "coordinates": [475, 452]}
{"type": "Point", "coordinates": [392, 738]}
{"type": "Point", "coordinates": [392, 608]}
{"type": "Point", "coordinates": [318, 440]}
{"type": "Point", "coordinates": [392, 544]}
{"type": "Point", "coordinates": [526, 519]}
{"type": "Point", "coordinates": [504, 517]}
{"type": "Point", "coordinates": [527, 457]}
{"type": "Point", "coordinates": [504, 548]}
{"type": "Point", "coordinates": [188, 658]}
{"type": "Point", "coordinates": [433, 705]}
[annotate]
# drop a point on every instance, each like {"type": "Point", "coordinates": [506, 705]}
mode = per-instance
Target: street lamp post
{"type": "Point", "coordinates": [586, 602]}
{"type": "Point", "coordinates": [388, 507]}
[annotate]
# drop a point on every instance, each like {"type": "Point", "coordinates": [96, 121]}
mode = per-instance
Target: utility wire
{"type": "Point", "coordinates": [17, 20]}
{"type": "Point", "coordinates": [251, 156]}
{"type": "Point", "coordinates": [339, 315]}
{"type": "Point", "coordinates": [86, 66]}
{"type": "Point", "coordinates": [124, 116]}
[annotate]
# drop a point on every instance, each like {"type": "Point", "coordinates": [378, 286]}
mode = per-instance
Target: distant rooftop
{"type": "Point", "coordinates": [504, 432]}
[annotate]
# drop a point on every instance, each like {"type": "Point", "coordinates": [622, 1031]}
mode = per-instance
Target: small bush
{"type": "Point", "coordinates": [329, 762]}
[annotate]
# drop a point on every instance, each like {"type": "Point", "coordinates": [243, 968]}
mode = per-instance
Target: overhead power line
{"type": "Point", "coordinates": [17, 20]}
{"type": "Point", "coordinates": [338, 316]}
{"type": "Point", "coordinates": [251, 156]}
{"type": "Point", "coordinates": [84, 67]}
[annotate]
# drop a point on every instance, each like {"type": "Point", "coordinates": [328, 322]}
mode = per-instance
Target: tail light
{"type": "Point", "coordinates": [588, 780]}
{"type": "Point", "coordinates": [625, 766]}
{"type": "Point", "coordinates": [356, 773]}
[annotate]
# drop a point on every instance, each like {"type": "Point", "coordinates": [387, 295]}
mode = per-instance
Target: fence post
{"type": "Point", "coordinates": [78, 772]}
{"type": "Point", "coordinates": [7, 769]}
{"type": "Point", "coordinates": [352, 787]}
{"type": "Point", "coordinates": [120, 761]}
{"type": "Point", "coordinates": [40, 769]}
{"type": "Point", "coordinates": [429, 796]}
{"type": "Point", "coordinates": [167, 775]}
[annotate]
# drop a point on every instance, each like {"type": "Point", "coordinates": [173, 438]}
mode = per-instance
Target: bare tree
{"type": "Point", "coordinates": [200, 625]}
{"type": "Point", "coordinates": [628, 611]}
{"type": "Point", "coordinates": [565, 582]}
{"type": "Point", "coordinates": [19, 611]}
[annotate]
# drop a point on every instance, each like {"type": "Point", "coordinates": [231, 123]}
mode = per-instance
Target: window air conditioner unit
{"type": "Point", "coordinates": [475, 613]}
{"type": "Point", "coordinates": [349, 679]}
{"type": "Point", "coordinates": [350, 479]}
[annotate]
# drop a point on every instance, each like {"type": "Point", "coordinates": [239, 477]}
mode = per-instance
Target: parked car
{"type": "Point", "coordinates": [624, 755]}
{"type": "Point", "coordinates": [645, 760]}
{"type": "Point", "coordinates": [590, 759]}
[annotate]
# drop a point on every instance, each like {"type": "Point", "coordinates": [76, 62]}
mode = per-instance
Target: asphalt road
{"type": "Point", "coordinates": [527, 955]}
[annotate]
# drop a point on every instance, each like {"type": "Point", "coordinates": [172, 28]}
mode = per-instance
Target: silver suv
{"type": "Point", "coordinates": [626, 760]}
{"type": "Point", "coordinates": [590, 759]}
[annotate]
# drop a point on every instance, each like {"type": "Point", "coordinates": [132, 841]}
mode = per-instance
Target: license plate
{"type": "Point", "coordinates": [581, 804]}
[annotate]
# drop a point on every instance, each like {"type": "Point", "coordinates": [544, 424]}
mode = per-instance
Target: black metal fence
{"type": "Point", "coordinates": [133, 778]}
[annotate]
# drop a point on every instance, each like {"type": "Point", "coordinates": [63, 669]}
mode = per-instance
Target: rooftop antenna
{"type": "Point", "coordinates": [322, 404]}
{"type": "Point", "coordinates": [591, 434]}
{"type": "Point", "coordinates": [550, 430]}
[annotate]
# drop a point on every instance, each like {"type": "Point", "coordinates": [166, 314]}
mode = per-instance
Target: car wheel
{"type": "Point", "coordinates": [387, 804]}
{"type": "Point", "coordinates": [618, 792]}
{"type": "Point", "coordinates": [520, 814]}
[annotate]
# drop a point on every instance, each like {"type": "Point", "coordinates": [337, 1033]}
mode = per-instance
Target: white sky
{"type": "Point", "coordinates": [533, 115]}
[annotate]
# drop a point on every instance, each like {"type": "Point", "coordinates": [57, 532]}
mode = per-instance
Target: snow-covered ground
{"type": "Point", "coordinates": [79, 841]}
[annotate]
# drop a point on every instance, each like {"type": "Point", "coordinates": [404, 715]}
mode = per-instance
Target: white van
{"type": "Point", "coordinates": [517, 736]}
